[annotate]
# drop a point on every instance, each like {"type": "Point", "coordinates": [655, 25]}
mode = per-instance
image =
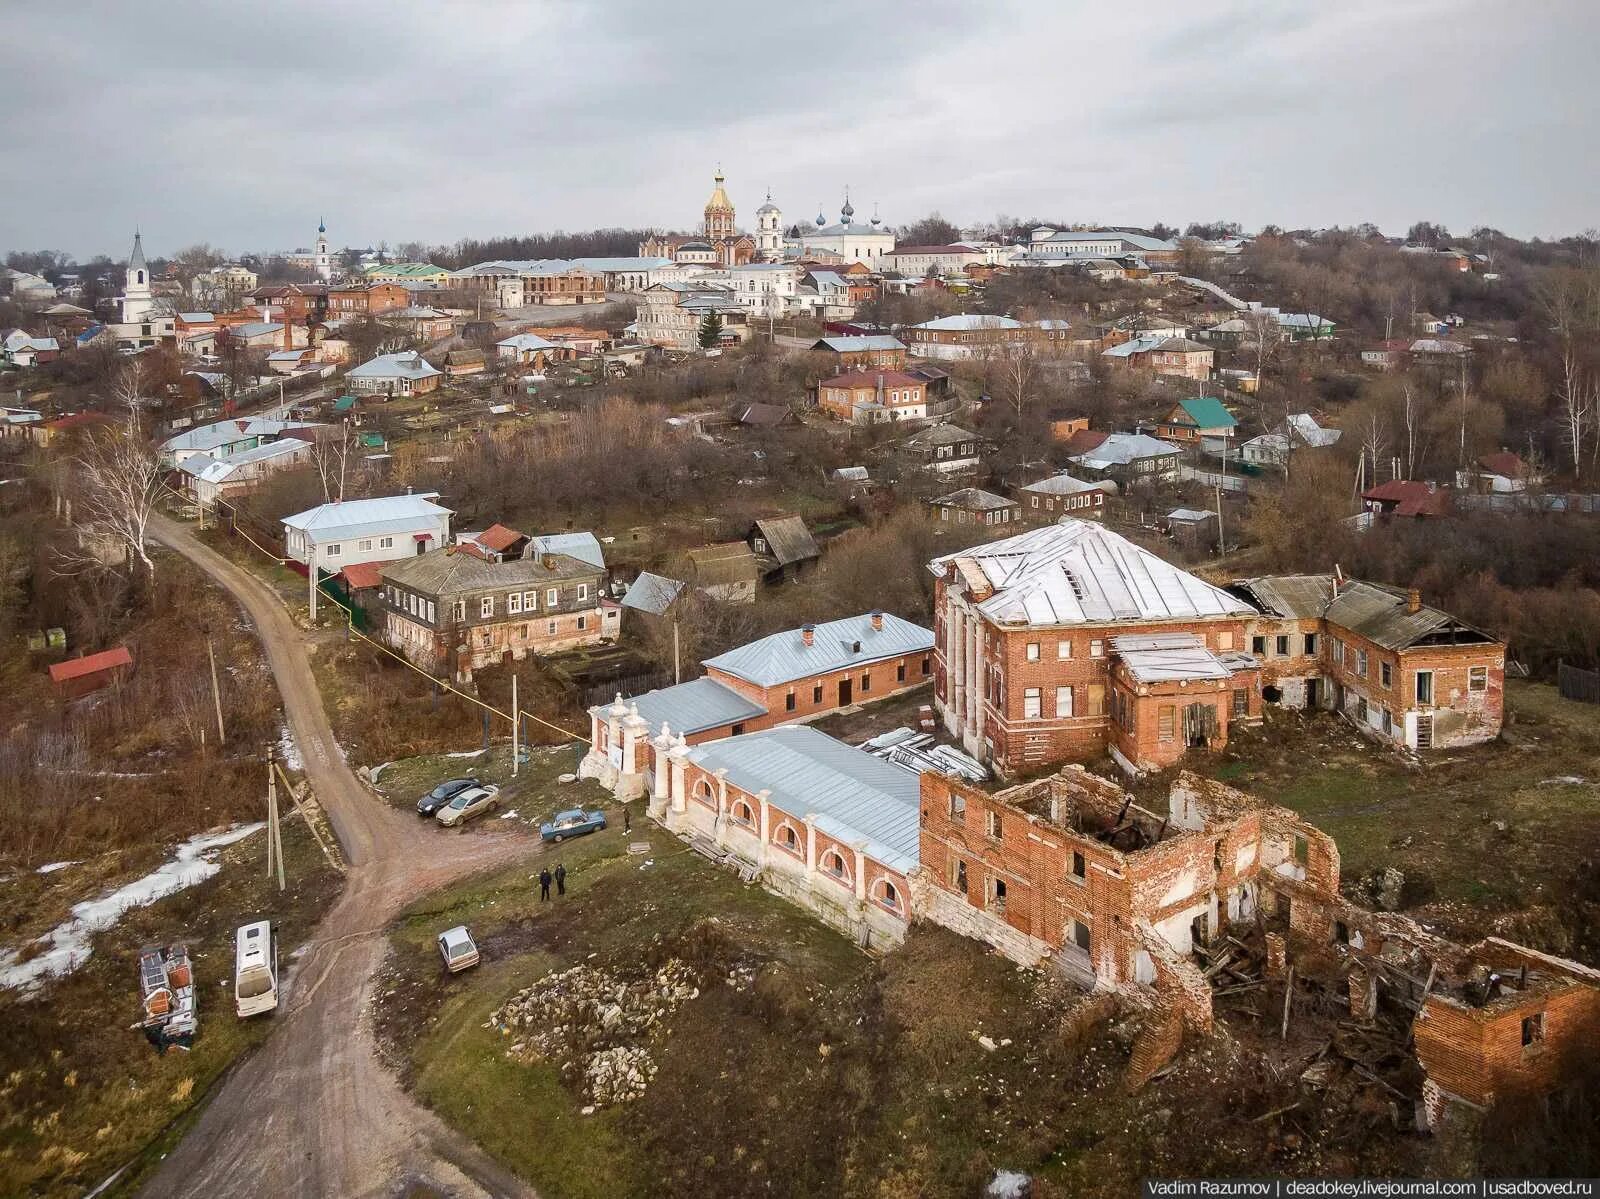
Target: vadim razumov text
{"type": "Point", "coordinates": [1366, 1188]}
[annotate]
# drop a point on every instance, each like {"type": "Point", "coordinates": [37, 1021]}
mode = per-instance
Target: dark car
{"type": "Point", "coordinates": [441, 795]}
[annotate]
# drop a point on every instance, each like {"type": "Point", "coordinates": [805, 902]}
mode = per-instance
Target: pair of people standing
{"type": "Point", "coordinates": [545, 879]}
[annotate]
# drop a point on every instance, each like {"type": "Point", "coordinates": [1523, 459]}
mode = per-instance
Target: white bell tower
{"type": "Point", "coordinates": [137, 299]}
{"type": "Point", "coordinates": [769, 231]}
{"type": "Point", "coordinates": [324, 266]}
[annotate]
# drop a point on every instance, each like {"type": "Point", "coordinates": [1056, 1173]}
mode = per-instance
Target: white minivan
{"type": "Point", "coordinates": [255, 969]}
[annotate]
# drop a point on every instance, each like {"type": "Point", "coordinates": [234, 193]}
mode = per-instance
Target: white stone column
{"type": "Point", "coordinates": [763, 824]}
{"type": "Point", "coordinates": [955, 658]}
{"type": "Point", "coordinates": [861, 875]}
{"type": "Point", "coordinates": [678, 790]}
{"type": "Point", "coordinates": [811, 846]}
{"type": "Point", "coordinates": [661, 783]}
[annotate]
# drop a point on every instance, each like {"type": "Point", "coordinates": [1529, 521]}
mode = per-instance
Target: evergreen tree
{"type": "Point", "coordinates": [710, 331]}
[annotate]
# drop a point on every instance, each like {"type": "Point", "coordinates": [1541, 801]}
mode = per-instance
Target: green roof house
{"type": "Point", "coordinates": [1193, 421]}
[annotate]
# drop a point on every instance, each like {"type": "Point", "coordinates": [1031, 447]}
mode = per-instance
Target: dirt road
{"type": "Point", "coordinates": [313, 1112]}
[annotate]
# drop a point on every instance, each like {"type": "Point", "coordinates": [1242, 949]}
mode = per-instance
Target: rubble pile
{"type": "Point", "coordinates": [594, 1024]}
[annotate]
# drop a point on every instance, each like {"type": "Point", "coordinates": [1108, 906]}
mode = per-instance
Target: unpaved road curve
{"type": "Point", "coordinates": [313, 1112]}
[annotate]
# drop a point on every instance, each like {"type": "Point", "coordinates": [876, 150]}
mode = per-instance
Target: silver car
{"type": "Point", "coordinates": [457, 949]}
{"type": "Point", "coordinates": [474, 801]}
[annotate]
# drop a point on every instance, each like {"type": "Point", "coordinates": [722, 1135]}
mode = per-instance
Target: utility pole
{"type": "Point", "coordinates": [216, 693]}
{"type": "Point", "coordinates": [516, 725]}
{"type": "Point", "coordinates": [677, 674]}
{"type": "Point", "coordinates": [274, 837]}
{"type": "Point", "coordinates": [1222, 544]}
{"type": "Point", "coordinates": [311, 576]}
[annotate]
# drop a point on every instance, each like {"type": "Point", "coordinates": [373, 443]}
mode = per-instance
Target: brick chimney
{"type": "Point", "coordinates": [1413, 601]}
{"type": "Point", "coordinates": [808, 634]}
{"type": "Point", "coordinates": [877, 622]}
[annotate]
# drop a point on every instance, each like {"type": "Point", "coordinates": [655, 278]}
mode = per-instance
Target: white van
{"type": "Point", "coordinates": [255, 969]}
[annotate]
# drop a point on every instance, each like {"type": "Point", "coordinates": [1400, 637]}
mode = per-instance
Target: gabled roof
{"type": "Point", "coordinates": [527, 341]}
{"type": "Point", "coordinates": [870, 378]}
{"type": "Point", "coordinates": [1119, 449]}
{"type": "Point", "coordinates": [852, 796]}
{"type": "Point", "coordinates": [450, 571]}
{"type": "Point", "coordinates": [860, 342]}
{"type": "Point", "coordinates": [1207, 412]}
{"type": "Point", "coordinates": [693, 707]}
{"type": "Point", "coordinates": [722, 563]}
{"type": "Point", "coordinates": [217, 470]}
{"type": "Point", "coordinates": [405, 365]}
{"type": "Point", "coordinates": [499, 538]}
{"type": "Point", "coordinates": [652, 593]}
{"type": "Point", "coordinates": [1062, 484]}
{"type": "Point", "coordinates": [788, 540]}
{"type": "Point", "coordinates": [1504, 463]}
{"type": "Point", "coordinates": [1077, 572]}
{"type": "Point", "coordinates": [765, 414]}
{"type": "Point", "coordinates": [938, 435]}
{"type": "Point", "coordinates": [1371, 610]}
{"type": "Point", "coordinates": [835, 645]}
{"type": "Point", "coordinates": [209, 437]}
{"type": "Point", "coordinates": [974, 499]}
{"type": "Point", "coordinates": [969, 321]}
{"type": "Point", "coordinates": [326, 521]}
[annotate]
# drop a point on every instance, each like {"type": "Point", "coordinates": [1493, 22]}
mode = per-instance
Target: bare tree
{"type": "Point", "coordinates": [1374, 430]}
{"type": "Point", "coordinates": [117, 482]}
{"type": "Point", "coordinates": [330, 453]}
{"type": "Point", "coordinates": [1571, 302]}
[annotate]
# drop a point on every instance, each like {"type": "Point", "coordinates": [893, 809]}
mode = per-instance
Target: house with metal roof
{"type": "Point", "coordinates": [1129, 459]}
{"type": "Point", "coordinates": [225, 438]}
{"type": "Point", "coordinates": [1023, 670]}
{"type": "Point", "coordinates": [329, 537]}
{"type": "Point", "coordinates": [796, 675]}
{"type": "Point", "coordinates": [863, 351]}
{"type": "Point", "coordinates": [826, 825]}
{"type": "Point", "coordinates": [1197, 421]}
{"type": "Point", "coordinates": [1061, 495]}
{"type": "Point", "coordinates": [209, 478]}
{"type": "Point", "coordinates": [974, 506]}
{"type": "Point", "coordinates": [406, 373]}
{"type": "Point", "coordinates": [1402, 672]}
{"type": "Point", "coordinates": [450, 609]}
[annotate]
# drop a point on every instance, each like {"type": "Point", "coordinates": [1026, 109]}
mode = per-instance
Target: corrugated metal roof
{"type": "Point", "coordinates": [209, 437]}
{"type": "Point", "coordinates": [406, 365]}
{"type": "Point", "coordinates": [848, 345]}
{"type": "Point", "coordinates": [1062, 484]}
{"type": "Point", "coordinates": [969, 321]}
{"type": "Point", "coordinates": [785, 657]}
{"type": "Point", "coordinates": [1119, 449]}
{"type": "Point", "coordinates": [1294, 597]}
{"type": "Point", "coordinates": [695, 706]}
{"type": "Point", "coordinates": [1076, 572]}
{"type": "Point", "coordinates": [855, 797]}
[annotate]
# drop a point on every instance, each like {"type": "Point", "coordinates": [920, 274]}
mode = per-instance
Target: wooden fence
{"type": "Point", "coordinates": [1581, 685]}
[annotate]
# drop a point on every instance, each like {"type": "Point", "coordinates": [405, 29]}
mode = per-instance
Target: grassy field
{"type": "Point", "coordinates": [81, 1093]}
{"type": "Point", "coordinates": [833, 1073]}
{"type": "Point", "coordinates": [1490, 839]}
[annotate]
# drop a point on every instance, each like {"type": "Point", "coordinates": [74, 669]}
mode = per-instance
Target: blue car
{"type": "Point", "coordinates": [572, 823]}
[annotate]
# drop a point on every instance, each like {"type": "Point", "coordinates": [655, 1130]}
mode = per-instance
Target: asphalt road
{"type": "Point", "coordinates": [314, 1112]}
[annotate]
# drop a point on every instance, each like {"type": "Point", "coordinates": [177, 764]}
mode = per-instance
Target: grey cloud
{"type": "Point", "coordinates": [240, 125]}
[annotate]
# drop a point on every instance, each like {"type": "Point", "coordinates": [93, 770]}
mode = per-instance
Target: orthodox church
{"type": "Point", "coordinates": [147, 319]}
{"type": "Point", "coordinates": [851, 240]}
{"type": "Point", "coordinates": [719, 242]}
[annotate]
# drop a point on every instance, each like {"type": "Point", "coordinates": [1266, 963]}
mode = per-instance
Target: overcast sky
{"type": "Point", "coordinates": [240, 125]}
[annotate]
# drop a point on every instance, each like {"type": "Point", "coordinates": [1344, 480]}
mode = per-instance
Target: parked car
{"type": "Point", "coordinates": [430, 803]}
{"type": "Point", "coordinates": [457, 949]}
{"type": "Point", "coordinates": [474, 801]}
{"type": "Point", "coordinates": [572, 823]}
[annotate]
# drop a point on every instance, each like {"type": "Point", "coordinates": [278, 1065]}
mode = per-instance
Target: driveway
{"type": "Point", "coordinates": [313, 1112]}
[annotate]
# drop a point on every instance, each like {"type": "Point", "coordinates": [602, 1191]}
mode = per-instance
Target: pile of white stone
{"type": "Point", "coordinates": [592, 1024]}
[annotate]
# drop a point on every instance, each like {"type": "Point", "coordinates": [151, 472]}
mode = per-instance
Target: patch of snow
{"type": "Point", "coordinates": [1564, 780]}
{"type": "Point", "coordinates": [69, 942]}
{"type": "Point", "coordinates": [372, 775]}
{"type": "Point", "coordinates": [288, 751]}
{"type": "Point", "coordinates": [511, 815]}
{"type": "Point", "coordinates": [52, 867]}
{"type": "Point", "coordinates": [468, 753]}
{"type": "Point", "coordinates": [1007, 1184]}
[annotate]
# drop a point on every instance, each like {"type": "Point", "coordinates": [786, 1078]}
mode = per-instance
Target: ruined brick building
{"type": "Point", "coordinates": [1067, 642]}
{"type": "Point", "coordinates": [1071, 870]}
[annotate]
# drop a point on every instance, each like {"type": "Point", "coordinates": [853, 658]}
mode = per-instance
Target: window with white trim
{"type": "Point", "coordinates": [364, 545]}
{"type": "Point", "coordinates": [583, 592]}
{"type": "Point", "coordinates": [486, 606]}
{"type": "Point", "coordinates": [743, 813]}
{"type": "Point", "coordinates": [1063, 650]}
{"type": "Point", "coordinates": [461, 611]}
{"type": "Point", "coordinates": [552, 596]}
{"type": "Point", "coordinates": [1097, 649]}
{"type": "Point", "coordinates": [1033, 651]}
{"type": "Point", "coordinates": [1063, 701]}
{"type": "Point", "coordinates": [333, 550]}
{"type": "Point", "coordinates": [530, 601]}
{"type": "Point", "coordinates": [386, 543]}
{"type": "Point", "coordinates": [514, 603]}
{"type": "Point", "coordinates": [1030, 703]}
{"type": "Point", "coordinates": [833, 863]}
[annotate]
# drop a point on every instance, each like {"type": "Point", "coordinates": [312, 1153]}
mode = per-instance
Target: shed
{"type": "Point", "coordinates": [80, 676]}
{"type": "Point", "coordinates": [784, 545]}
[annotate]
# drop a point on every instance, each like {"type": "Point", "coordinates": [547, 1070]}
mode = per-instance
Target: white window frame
{"type": "Point", "coordinates": [1031, 709]}
{"type": "Point", "coordinates": [1064, 650]}
{"type": "Point", "coordinates": [486, 607]}
{"type": "Point", "coordinates": [364, 546]}
{"type": "Point", "coordinates": [583, 592]}
{"type": "Point", "coordinates": [461, 611]}
{"type": "Point", "coordinates": [514, 604]}
{"type": "Point", "coordinates": [1097, 649]}
{"type": "Point", "coordinates": [333, 549]}
{"type": "Point", "coordinates": [552, 596]}
{"type": "Point", "coordinates": [1063, 710]}
{"type": "Point", "coordinates": [386, 543]}
{"type": "Point", "coordinates": [1033, 651]}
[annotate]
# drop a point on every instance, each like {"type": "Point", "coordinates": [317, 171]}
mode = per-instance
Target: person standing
{"type": "Point", "coordinates": [544, 884]}
{"type": "Point", "coordinates": [627, 822]}
{"type": "Point", "coordinates": [561, 879]}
